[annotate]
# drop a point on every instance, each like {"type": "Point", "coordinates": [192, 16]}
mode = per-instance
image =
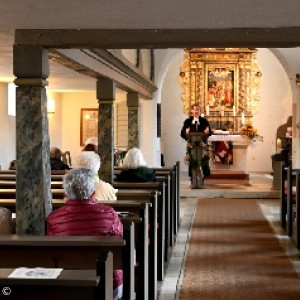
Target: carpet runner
{"type": "Point", "coordinates": [234, 255]}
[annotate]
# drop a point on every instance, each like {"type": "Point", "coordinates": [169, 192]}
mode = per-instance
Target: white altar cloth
{"type": "Point", "coordinates": [240, 147]}
{"type": "Point", "coordinates": [236, 139]}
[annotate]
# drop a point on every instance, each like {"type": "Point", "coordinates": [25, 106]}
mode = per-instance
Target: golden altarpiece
{"type": "Point", "coordinates": [224, 82]}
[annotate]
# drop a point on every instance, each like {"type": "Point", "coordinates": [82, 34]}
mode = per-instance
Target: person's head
{"type": "Point", "coordinates": [195, 110]}
{"type": "Point", "coordinates": [89, 160]}
{"type": "Point", "coordinates": [55, 153]}
{"type": "Point", "coordinates": [79, 184]}
{"type": "Point", "coordinates": [134, 159]}
{"type": "Point", "coordinates": [90, 147]}
{"type": "Point", "coordinates": [92, 140]}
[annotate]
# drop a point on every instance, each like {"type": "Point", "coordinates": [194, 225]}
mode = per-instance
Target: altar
{"type": "Point", "coordinates": [239, 146]}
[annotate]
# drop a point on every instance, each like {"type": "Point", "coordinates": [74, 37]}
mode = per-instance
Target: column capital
{"type": "Point", "coordinates": [132, 100]}
{"type": "Point", "coordinates": [105, 90]}
{"type": "Point", "coordinates": [30, 61]}
{"type": "Point", "coordinates": [34, 82]}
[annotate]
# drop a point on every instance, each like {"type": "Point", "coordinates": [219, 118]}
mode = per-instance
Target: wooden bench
{"type": "Point", "coordinates": [11, 184]}
{"type": "Point", "coordinates": [161, 212]}
{"type": "Point", "coordinates": [71, 252]}
{"type": "Point", "coordinates": [156, 233]}
{"type": "Point", "coordinates": [166, 197]}
{"type": "Point", "coordinates": [70, 284]}
{"type": "Point", "coordinates": [139, 215]}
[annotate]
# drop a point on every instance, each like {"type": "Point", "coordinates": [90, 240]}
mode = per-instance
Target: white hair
{"type": "Point", "coordinates": [89, 160]}
{"type": "Point", "coordinates": [92, 140]}
{"type": "Point", "coordinates": [134, 159]}
{"type": "Point", "coordinates": [79, 184]}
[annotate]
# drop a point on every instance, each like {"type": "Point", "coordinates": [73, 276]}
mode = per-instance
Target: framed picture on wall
{"type": "Point", "coordinates": [220, 89]}
{"type": "Point", "coordinates": [88, 124]}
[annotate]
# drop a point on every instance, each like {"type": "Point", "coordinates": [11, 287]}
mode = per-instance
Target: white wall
{"type": "Point", "coordinates": [55, 121]}
{"type": "Point", "coordinates": [274, 108]}
{"type": "Point", "coordinates": [71, 109]}
{"type": "Point", "coordinates": [7, 130]}
{"type": "Point", "coordinates": [173, 146]}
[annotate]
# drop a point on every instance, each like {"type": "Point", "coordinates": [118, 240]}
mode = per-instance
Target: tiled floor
{"type": "Point", "coordinates": [259, 187]}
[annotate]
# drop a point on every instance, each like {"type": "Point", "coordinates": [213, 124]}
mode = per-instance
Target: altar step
{"type": "Point", "coordinates": [228, 174]}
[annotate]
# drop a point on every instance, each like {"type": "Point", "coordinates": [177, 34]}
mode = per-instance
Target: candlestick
{"type": "Point", "coordinates": [207, 110]}
{"type": "Point", "coordinates": [243, 118]}
{"type": "Point", "coordinates": [233, 111]}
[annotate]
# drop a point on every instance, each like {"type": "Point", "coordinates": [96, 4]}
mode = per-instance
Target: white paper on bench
{"type": "Point", "coordinates": [36, 273]}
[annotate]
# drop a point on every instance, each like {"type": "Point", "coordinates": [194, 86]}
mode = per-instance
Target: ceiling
{"type": "Point", "coordinates": [91, 14]}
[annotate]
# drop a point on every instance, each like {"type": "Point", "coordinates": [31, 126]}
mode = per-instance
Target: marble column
{"type": "Point", "coordinates": [133, 120]}
{"type": "Point", "coordinates": [106, 97]}
{"type": "Point", "coordinates": [33, 189]}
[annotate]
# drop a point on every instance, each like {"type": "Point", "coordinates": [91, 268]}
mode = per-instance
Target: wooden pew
{"type": "Point", "coordinates": [174, 172]}
{"type": "Point", "coordinates": [11, 193]}
{"type": "Point", "coordinates": [155, 234]}
{"type": "Point", "coordinates": [12, 177]}
{"type": "Point", "coordinates": [11, 184]}
{"type": "Point", "coordinates": [168, 207]}
{"type": "Point", "coordinates": [54, 172]}
{"type": "Point", "coordinates": [139, 216]}
{"type": "Point", "coordinates": [71, 252]}
{"type": "Point", "coordinates": [145, 286]}
{"type": "Point", "coordinates": [161, 213]}
{"type": "Point", "coordinates": [71, 284]}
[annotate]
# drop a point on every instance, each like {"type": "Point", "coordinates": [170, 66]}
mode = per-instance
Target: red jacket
{"type": "Point", "coordinates": [84, 217]}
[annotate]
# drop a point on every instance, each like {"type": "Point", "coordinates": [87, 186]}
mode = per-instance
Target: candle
{"type": "Point", "coordinates": [207, 110]}
{"type": "Point", "coordinates": [243, 118]}
{"type": "Point", "coordinates": [278, 145]}
{"type": "Point", "coordinates": [233, 111]}
{"type": "Point", "coordinates": [202, 115]}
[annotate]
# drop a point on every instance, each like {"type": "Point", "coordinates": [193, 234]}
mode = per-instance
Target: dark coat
{"type": "Point", "coordinates": [141, 174]}
{"type": "Point", "coordinates": [57, 164]}
{"type": "Point", "coordinates": [203, 123]}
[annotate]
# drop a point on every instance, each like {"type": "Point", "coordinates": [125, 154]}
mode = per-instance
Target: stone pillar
{"type": "Point", "coordinates": [106, 97]}
{"type": "Point", "coordinates": [133, 120]}
{"type": "Point", "coordinates": [33, 190]}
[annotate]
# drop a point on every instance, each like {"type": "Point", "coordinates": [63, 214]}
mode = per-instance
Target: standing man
{"type": "Point", "coordinates": [195, 123]}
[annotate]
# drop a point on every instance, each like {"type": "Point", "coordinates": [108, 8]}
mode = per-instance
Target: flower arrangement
{"type": "Point", "coordinates": [193, 162]}
{"type": "Point", "coordinates": [249, 131]}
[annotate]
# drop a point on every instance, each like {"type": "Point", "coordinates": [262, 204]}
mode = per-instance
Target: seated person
{"type": "Point", "coordinates": [55, 160]}
{"type": "Point", "coordinates": [90, 147]}
{"type": "Point", "coordinates": [91, 160]}
{"type": "Point", "coordinates": [12, 165]}
{"type": "Point", "coordinates": [81, 215]}
{"type": "Point", "coordinates": [135, 168]}
{"type": "Point", "coordinates": [91, 144]}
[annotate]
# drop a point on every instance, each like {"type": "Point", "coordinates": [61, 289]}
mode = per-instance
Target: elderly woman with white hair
{"type": "Point", "coordinates": [82, 215]}
{"type": "Point", "coordinates": [135, 168]}
{"type": "Point", "coordinates": [90, 160]}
